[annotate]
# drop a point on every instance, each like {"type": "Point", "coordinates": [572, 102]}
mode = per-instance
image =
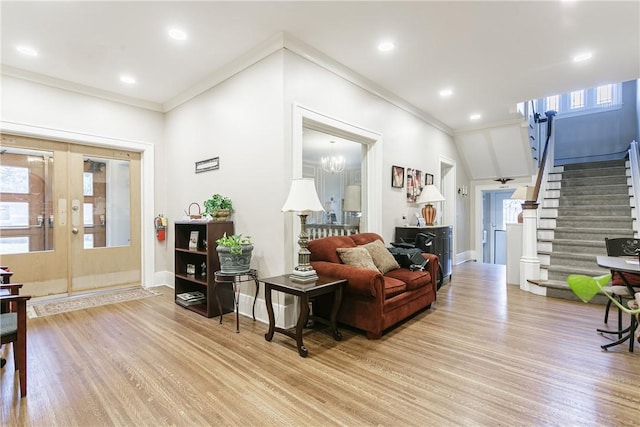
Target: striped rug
{"type": "Point", "coordinates": [81, 302]}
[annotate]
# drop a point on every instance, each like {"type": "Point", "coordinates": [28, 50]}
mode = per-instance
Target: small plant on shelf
{"type": "Point", "coordinates": [218, 207]}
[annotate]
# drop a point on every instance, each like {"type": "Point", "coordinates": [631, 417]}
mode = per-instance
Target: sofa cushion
{"type": "Point", "coordinates": [393, 287]}
{"type": "Point", "coordinates": [381, 256]}
{"type": "Point", "coordinates": [364, 238]}
{"type": "Point", "coordinates": [357, 257]}
{"type": "Point", "coordinates": [325, 249]}
{"type": "Point", "coordinates": [413, 279]}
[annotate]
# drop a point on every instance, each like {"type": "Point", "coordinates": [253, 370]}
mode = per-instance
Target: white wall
{"type": "Point", "coordinates": [408, 141]}
{"type": "Point", "coordinates": [44, 106]}
{"type": "Point", "coordinates": [239, 121]}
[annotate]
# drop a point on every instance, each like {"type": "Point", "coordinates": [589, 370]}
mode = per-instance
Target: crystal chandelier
{"type": "Point", "coordinates": [332, 163]}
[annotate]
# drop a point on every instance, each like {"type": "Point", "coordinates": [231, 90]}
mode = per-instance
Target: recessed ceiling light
{"type": "Point", "coordinates": [27, 50]}
{"type": "Point", "coordinates": [127, 79]}
{"type": "Point", "coordinates": [582, 57]}
{"type": "Point", "coordinates": [177, 34]}
{"type": "Point", "coordinates": [475, 116]}
{"type": "Point", "coordinates": [386, 46]}
{"type": "Point", "coordinates": [446, 92]}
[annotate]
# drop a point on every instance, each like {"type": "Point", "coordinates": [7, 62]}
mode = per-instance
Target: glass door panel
{"type": "Point", "coordinates": [26, 204]}
{"type": "Point", "coordinates": [107, 202]}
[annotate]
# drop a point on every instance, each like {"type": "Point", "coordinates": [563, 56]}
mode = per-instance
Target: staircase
{"type": "Point", "coordinates": [584, 204]}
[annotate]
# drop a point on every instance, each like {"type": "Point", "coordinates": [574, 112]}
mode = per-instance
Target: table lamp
{"type": "Point", "coordinates": [352, 200]}
{"type": "Point", "coordinates": [429, 195]}
{"type": "Point", "coordinates": [303, 199]}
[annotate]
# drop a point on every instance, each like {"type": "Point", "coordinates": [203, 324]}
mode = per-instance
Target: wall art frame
{"type": "Point", "coordinates": [414, 184]}
{"type": "Point", "coordinates": [428, 179]}
{"type": "Point", "coordinates": [208, 165]}
{"type": "Point", "coordinates": [397, 176]}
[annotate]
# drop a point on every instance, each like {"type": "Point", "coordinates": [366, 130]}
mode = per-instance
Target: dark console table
{"type": "Point", "coordinates": [441, 244]}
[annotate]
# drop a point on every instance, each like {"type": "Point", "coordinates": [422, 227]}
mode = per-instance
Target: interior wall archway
{"type": "Point", "coordinates": [304, 117]}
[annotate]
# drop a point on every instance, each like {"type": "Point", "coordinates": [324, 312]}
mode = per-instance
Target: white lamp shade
{"type": "Point", "coordinates": [430, 194]}
{"type": "Point", "coordinates": [352, 198]}
{"type": "Point", "coordinates": [302, 197]}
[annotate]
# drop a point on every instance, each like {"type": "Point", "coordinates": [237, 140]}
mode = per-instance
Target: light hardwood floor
{"type": "Point", "coordinates": [485, 354]}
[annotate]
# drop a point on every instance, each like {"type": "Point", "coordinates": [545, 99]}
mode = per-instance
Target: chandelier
{"type": "Point", "coordinates": [332, 163]}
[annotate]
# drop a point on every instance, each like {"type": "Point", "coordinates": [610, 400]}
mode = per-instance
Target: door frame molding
{"type": "Point", "coordinates": [147, 155]}
{"type": "Point", "coordinates": [372, 161]}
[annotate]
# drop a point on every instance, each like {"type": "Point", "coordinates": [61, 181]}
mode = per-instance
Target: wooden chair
{"type": "Point", "coordinates": [5, 274]}
{"type": "Point", "coordinates": [623, 285]}
{"type": "Point", "coordinates": [13, 329]}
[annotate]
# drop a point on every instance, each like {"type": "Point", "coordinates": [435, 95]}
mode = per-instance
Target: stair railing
{"type": "Point", "coordinates": [529, 262]}
{"type": "Point", "coordinates": [547, 155]}
{"type": "Point", "coordinates": [634, 162]}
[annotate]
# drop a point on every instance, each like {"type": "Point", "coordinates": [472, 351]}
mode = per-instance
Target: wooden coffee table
{"type": "Point", "coordinates": [323, 285]}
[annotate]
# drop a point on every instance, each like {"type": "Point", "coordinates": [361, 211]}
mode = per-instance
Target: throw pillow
{"type": "Point", "coordinates": [357, 257]}
{"type": "Point", "coordinates": [381, 256]}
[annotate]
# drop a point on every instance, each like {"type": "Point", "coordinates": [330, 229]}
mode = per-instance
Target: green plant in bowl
{"type": "Point", "coordinates": [235, 242]}
{"type": "Point", "coordinates": [216, 203]}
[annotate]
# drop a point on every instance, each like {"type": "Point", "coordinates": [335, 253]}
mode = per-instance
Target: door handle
{"type": "Point", "coordinates": [75, 215]}
{"type": "Point", "coordinates": [75, 230]}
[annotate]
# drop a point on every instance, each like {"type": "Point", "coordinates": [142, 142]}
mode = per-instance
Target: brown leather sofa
{"type": "Point", "coordinates": [372, 301]}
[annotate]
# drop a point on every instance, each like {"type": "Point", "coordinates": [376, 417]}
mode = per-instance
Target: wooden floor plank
{"type": "Point", "coordinates": [485, 354]}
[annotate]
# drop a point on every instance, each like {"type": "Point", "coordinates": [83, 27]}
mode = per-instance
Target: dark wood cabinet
{"type": "Point", "coordinates": [441, 246]}
{"type": "Point", "coordinates": [196, 261]}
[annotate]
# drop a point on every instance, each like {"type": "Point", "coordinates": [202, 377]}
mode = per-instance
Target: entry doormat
{"type": "Point", "coordinates": [81, 302]}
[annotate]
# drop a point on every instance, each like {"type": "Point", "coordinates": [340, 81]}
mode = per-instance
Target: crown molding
{"type": "Point", "coordinates": [77, 88]}
{"type": "Point", "coordinates": [520, 122]}
{"type": "Point", "coordinates": [313, 55]}
{"type": "Point", "coordinates": [244, 61]}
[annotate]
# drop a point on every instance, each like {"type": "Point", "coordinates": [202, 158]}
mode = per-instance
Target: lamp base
{"type": "Point", "coordinates": [304, 276]}
{"type": "Point", "coordinates": [429, 214]}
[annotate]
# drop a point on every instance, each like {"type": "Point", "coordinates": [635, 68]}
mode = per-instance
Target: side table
{"type": "Point", "coordinates": [235, 279]}
{"type": "Point", "coordinates": [303, 291]}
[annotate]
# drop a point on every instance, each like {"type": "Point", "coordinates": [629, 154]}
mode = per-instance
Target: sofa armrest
{"type": "Point", "coordinates": [361, 281]}
{"type": "Point", "coordinates": [432, 267]}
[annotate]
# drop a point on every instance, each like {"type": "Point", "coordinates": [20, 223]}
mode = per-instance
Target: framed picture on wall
{"type": "Point", "coordinates": [417, 189]}
{"type": "Point", "coordinates": [414, 184]}
{"type": "Point", "coordinates": [428, 179]}
{"type": "Point", "coordinates": [397, 176]}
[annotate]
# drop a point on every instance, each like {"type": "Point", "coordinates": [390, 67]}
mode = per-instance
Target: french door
{"type": "Point", "coordinates": [69, 216]}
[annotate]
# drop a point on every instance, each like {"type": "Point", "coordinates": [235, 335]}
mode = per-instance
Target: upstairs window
{"type": "Point", "coordinates": [584, 101]}
{"type": "Point", "coordinates": [604, 94]}
{"type": "Point", "coordinates": [577, 99]}
{"type": "Point", "coordinates": [553, 103]}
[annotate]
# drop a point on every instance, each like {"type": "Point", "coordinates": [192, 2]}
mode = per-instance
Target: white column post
{"type": "Point", "coordinates": [529, 262]}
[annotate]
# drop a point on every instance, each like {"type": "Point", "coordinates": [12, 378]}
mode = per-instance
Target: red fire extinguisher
{"type": "Point", "coordinates": [161, 227]}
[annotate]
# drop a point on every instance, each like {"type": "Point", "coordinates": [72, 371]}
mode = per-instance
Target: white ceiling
{"type": "Point", "coordinates": [493, 54]}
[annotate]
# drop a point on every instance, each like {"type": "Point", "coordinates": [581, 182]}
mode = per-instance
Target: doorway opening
{"type": "Point", "coordinates": [498, 209]}
{"type": "Point", "coordinates": [68, 208]}
{"type": "Point", "coordinates": [339, 188]}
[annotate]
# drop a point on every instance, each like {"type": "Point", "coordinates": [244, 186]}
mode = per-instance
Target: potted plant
{"type": "Point", "coordinates": [218, 207]}
{"type": "Point", "coordinates": [234, 253]}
